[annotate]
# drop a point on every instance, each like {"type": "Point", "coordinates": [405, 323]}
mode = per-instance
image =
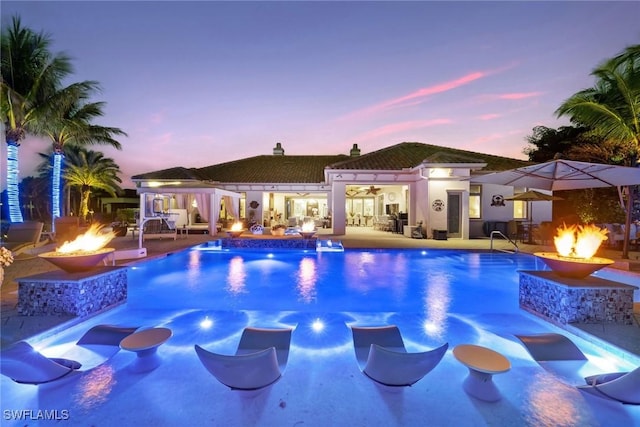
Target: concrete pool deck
{"type": "Point", "coordinates": [16, 327]}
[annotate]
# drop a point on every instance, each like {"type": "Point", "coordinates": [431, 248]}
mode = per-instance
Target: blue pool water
{"type": "Point", "coordinates": [207, 297]}
{"type": "Point", "coordinates": [354, 280]}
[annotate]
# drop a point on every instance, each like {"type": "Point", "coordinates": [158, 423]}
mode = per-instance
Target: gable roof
{"type": "Point", "coordinates": [407, 155]}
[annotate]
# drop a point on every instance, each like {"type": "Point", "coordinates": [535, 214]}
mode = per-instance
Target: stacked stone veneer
{"type": "Point", "coordinates": [79, 294]}
{"type": "Point", "coordinates": [567, 300]}
{"type": "Point", "coordinates": [273, 243]}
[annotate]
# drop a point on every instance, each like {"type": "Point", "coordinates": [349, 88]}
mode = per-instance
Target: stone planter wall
{"type": "Point", "coordinates": [566, 300]}
{"type": "Point", "coordinates": [79, 294]}
{"type": "Point", "coordinates": [285, 242]}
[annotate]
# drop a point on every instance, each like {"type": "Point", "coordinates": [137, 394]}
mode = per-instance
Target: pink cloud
{"type": "Point", "coordinates": [490, 116]}
{"type": "Point", "coordinates": [495, 137]}
{"type": "Point", "coordinates": [400, 127]}
{"type": "Point", "coordinates": [515, 96]}
{"type": "Point", "coordinates": [519, 95]}
{"type": "Point", "coordinates": [417, 96]}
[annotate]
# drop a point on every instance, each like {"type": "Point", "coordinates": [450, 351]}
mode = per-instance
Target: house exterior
{"type": "Point", "coordinates": [410, 182]}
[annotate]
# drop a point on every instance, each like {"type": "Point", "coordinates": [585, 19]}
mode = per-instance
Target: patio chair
{"type": "Point", "coordinates": [259, 361]}
{"type": "Point", "coordinates": [551, 346]}
{"type": "Point", "coordinates": [23, 235]}
{"type": "Point", "coordinates": [382, 356]}
{"type": "Point", "coordinates": [23, 364]}
{"type": "Point", "coordinates": [158, 228]}
{"type": "Point", "coordinates": [623, 387]}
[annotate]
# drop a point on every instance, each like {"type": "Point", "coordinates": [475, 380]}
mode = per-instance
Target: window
{"type": "Point", "coordinates": [475, 198]}
{"type": "Point", "coordinates": [520, 210]}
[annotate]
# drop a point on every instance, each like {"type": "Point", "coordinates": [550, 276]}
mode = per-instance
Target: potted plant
{"type": "Point", "coordinates": [278, 230]}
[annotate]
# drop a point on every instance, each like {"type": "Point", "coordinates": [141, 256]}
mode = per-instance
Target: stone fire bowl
{"type": "Point", "coordinates": [307, 234]}
{"type": "Point", "coordinates": [74, 263]}
{"type": "Point", "coordinates": [576, 268]}
{"type": "Point", "coordinates": [234, 233]}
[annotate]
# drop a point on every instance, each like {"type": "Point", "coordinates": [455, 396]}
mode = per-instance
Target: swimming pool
{"type": "Point", "coordinates": [355, 280]}
{"type": "Point", "coordinates": [206, 297]}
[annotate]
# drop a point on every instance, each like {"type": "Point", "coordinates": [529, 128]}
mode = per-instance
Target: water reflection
{"type": "Point", "coordinates": [193, 267]}
{"type": "Point", "coordinates": [237, 275]}
{"type": "Point", "coordinates": [95, 386]}
{"type": "Point", "coordinates": [367, 271]}
{"type": "Point", "coordinates": [437, 301]}
{"type": "Point", "coordinates": [307, 277]}
{"type": "Point", "coordinates": [550, 403]}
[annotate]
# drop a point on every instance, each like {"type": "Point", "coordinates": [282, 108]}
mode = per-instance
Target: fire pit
{"type": "Point", "coordinates": [576, 246]}
{"type": "Point", "coordinates": [572, 267]}
{"type": "Point", "coordinates": [76, 262]}
{"type": "Point", "coordinates": [236, 230]}
{"type": "Point", "coordinates": [308, 230]}
{"type": "Point", "coordinates": [83, 253]}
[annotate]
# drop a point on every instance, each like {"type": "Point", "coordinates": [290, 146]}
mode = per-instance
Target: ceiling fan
{"type": "Point", "coordinates": [373, 190]}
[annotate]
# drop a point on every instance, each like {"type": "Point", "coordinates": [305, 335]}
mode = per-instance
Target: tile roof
{"type": "Point", "coordinates": [411, 154]}
{"type": "Point", "coordinates": [310, 169]}
{"type": "Point", "coordinates": [272, 169]}
{"type": "Point", "coordinates": [176, 173]}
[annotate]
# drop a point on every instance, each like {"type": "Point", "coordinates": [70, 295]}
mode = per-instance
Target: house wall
{"type": "Point", "coordinates": [251, 196]}
{"type": "Point", "coordinates": [438, 190]}
{"type": "Point", "coordinates": [421, 207]}
{"type": "Point", "coordinates": [338, 203]}
{"type": "Point", "coordinates": [494, 210]}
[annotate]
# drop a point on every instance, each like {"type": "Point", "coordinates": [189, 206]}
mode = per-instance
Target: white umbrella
{"type": "Point", "coordinates": [564, 175]}
{"type": "Point", "coordinates": [569, 175]}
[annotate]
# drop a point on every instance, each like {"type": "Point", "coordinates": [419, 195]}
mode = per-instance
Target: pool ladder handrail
{"type": "Point", "coordinates": [501, 234]}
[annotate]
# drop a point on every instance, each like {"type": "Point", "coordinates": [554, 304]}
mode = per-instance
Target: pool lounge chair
{"type": "Point", "coordinates": [23, 364]}
{"type": "Point", "coordinates": [623, 387]}
{"type": "Point", "coordinates": [22, 236]}
{"type": "Point", "coordinates": [259, 361]}
{"type": "Point", "coordinates": [382, 356]}
{"type": "Point", "coordinates": [551, 347]}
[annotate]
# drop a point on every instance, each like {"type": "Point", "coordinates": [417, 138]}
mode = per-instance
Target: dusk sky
{"type": "Point", "coordinates": [200, 83]}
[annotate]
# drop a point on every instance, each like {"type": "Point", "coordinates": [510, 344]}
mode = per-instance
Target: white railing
{"type": "Point", "coordinates": [499, 233]}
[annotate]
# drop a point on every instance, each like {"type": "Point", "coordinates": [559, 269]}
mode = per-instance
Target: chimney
{"type": "Point", "coordinates": [278, 150]}
{"type": "Point", "coordinates": [355, 151]}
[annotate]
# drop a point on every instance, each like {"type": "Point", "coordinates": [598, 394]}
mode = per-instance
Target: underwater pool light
{"type": "Point", "coordinates": [317, 325]}
{"type": "Point", "coordinates": [206, 323]}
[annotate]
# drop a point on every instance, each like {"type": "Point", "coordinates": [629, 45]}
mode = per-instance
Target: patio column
{"type": "Point", "coordinates": [338, 208]}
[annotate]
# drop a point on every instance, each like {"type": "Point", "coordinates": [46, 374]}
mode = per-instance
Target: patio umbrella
{"type": "Point", "coordinates": [564, 175]}
{"type": "Point", "coordinates": [569, 175]}
{"type": "Point", "coordinates": [532, 196]}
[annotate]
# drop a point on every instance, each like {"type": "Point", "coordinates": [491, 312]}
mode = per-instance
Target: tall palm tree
{"type": "Point", "coordinates": [31, 78]}
{"type": "Point", "coordinates": [71, 124]}
{"type": "Point", "coordinates": [612, 110]}
{"type": "Point", "coordinates": [90, 170]}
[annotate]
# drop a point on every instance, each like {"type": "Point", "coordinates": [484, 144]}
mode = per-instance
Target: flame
{"type": "Point", "coordinates": [93, 240]}
{"type": "Point", "coordinates": [579, 241]}
{"type": "Point", "coordinates": [565, 240]}
{"type": "Point", "coordinates": [308, 227]}
{"type": "Point", "coordinates": [236, 226]}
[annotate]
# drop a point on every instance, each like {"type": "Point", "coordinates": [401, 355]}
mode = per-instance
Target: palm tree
{"type": "Point", "coordinates": [90, 170]}
{"type": "Point", "coordinates": [71, 123]}
{"type": "Point", "coordinates": [612, 110]}
{"type": "Point", "coordinates": [31, 77]}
